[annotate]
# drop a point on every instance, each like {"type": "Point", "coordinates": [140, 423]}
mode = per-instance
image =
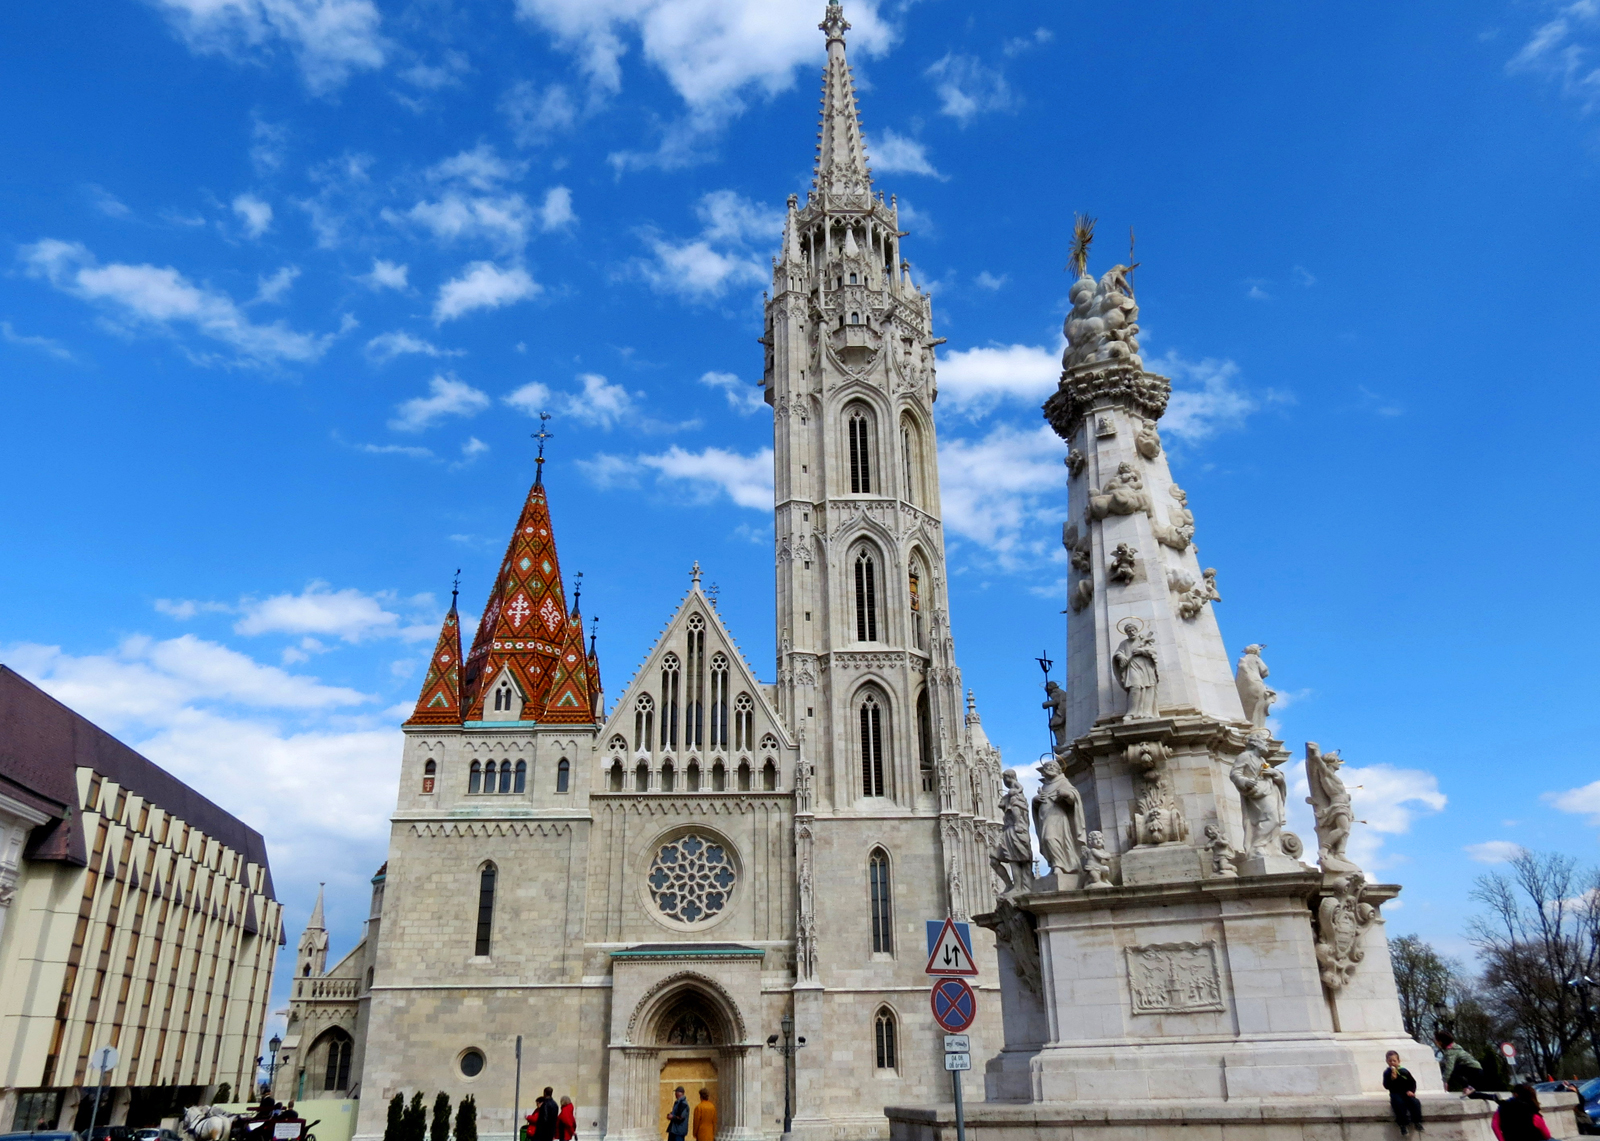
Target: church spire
{"type": "Point", "coordinates": [439, 703]}
{"type": "Point", "coordinates": [316, 921]}
{"type": "Point", "coordinates": [841, 152]}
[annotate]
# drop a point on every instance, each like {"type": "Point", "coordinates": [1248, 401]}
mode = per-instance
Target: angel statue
{"type": "Point", "coordinates": [1250, 680]}
{"type": "Point", "coordinates": [1330, 800]}
{"type": "Point", "coordinates": [1058, 818]}
{"type": "Point", "coordinates": [1012, 855]}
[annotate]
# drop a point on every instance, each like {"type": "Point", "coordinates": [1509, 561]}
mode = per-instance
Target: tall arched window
{"type": "Point", "coordinates": [490, 775]}
{"type": "Point", "coordinates": [336, 1075]}
{"type": "Point", "coordinates": [520, 782]}
{"type": "Point", "coordinates": [505, 776]}
{"type": "Point", "coordinates": [911, 461]}
{"type": "Point", "coordinates": [475, 777]}
{"type": "Point", "coordinates": [503, 695]}
{"type": "Point", "coordinates": [744, 776]}
{"type": "Point", "coordinates": [859, 428]}
{"type": "Point", "coordinates": [485, 909]}
{"type": "Point", "coordinates": [744, 723]}
{"type": "Point", "coordinates": [669, 778]}
{"type": "Point", "coordinates": [641, 778]}
{"type": "Point", "coordinates": [925, 741]}
{"type": "Point", "coordinates": [769, 776]}
{"type": "Point", "coordinates": [914, 584]}
{"type": "Point", "coordinates": [691, 777]}
{"type": "Point", "coordinates": [694, 705]}
{"type": "Point", "coordinates": [616, 776]}
{"type": "Point", "coordinates": [871, 746]}
{"type": "Point", "coordinates": [719, 701]}
{"type": "Point", "coordinates": [670, 675]}
{"type": "Point", "coordinates": [719, 778]}
{"type": "Point", "coordinates": [866, 598]}
{"type": "Point", "coordinates": [563, 774]}
{"type": "Point", "coordinates": [882, 902]}
{"type": "Point", "coordinates": [644, 720]}
{"type": "Point", "coordinates": [883, 1032]}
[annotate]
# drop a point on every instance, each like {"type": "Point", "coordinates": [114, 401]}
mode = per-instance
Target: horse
{"type": "Point", "coordinates": [206, 1123]}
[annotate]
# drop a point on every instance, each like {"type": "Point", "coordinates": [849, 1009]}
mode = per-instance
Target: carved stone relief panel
{"type": "Point", "coordinates": [1174, 978]}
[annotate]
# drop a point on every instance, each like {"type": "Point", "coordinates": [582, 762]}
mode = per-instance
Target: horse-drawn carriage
{"type": "Point", "coordinates": [207, 1123]}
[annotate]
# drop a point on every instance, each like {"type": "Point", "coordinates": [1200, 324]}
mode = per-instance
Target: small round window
{"type": "Point", "coordinates": [691, 879]}
{"type": "Point", "coordinates": [472, 1063]}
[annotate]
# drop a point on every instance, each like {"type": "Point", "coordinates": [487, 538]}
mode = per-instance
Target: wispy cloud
{"type": "Point", "coordinates": [1206, 397]}
{"type": "Point", "coordinates": [597, 402]}
{"type": "Point", "coordinates": [386, 346]}
{"type": "Point", "coordinates": [329, 39]}
{"type": "Point", "coordinates": [349, 615]}
{"type": "Point", "coordinates": [1494, 851]}
{"type": "Point", "coordinates": [42, 344]}
{"type": "Point", "coordinates": [1003, 491]}
{"type": "Point", "coordinates": [967, 87]}
{"type": "Point", "coordinates": [721, 256]}
{"type": "Point", "coordinates": [537, 116]}
{"type": "Point", "coordinates": [447, 396]}
{"type": "Point", "coordinates": [254, 214]}
{"type": "Point", "coordinates": [976, 379]}
{"type": "Point", "coordinates": [1581, 801]}
{"type": "Point", "coordinates": [743, 397]}
{"type": "Point", "coordinates": [161, 298]}
{"type": "Point", "coordinates": [1558, 51]}
{"type": "Point", "coordinates": [709, 474]}
{"type": "Point", "coordinates": [893, 153]}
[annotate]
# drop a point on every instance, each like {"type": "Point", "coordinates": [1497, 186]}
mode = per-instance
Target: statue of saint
{"type": "Point", "coordinates": [1262, 790]}
{"type": "Point", "coordinates": [1012, 856]}
{"type": "Point", "coordinates": [1250, 680]}
{"type": "Point", "coordinates": [1055, 700]}
{"type": "Point", "coordinates": [1134, 663]}
{"type": "Point", "coordinates": [1330, 800]}
{"type": "Point", "coordinates": [1058, 818]}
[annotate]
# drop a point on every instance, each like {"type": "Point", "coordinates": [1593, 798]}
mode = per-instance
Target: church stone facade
{"type": "Point", "coordinates": [644, 894]}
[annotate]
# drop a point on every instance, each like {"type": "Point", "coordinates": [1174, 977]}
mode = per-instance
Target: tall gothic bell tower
{"type": "Point", "coordinates": [897, 781]}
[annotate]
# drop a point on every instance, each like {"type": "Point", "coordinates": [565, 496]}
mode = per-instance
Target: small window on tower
{"type": "Point", "coordinates": [852, 279]}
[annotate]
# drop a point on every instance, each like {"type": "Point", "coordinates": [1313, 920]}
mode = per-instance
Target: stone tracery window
{"type": "Point", "coordinates": [859, 430]}
{"type": "Point", "coordinates": [882, 902]}
{"type": "Point", "coordinates": [719, 701]}
{"type": "Point", "coordinates": [744, 722]}
{"type": "Point", "coordinates": [871, 746]}
{"type": "Point", "coordinates": [866, 597]}
{"type": "Point", "coordinates": [691, 879]}
{"type": "Point", "coordinates": [884, 1039]}
{"type": "Point", "coordinates": [670, 683]}
{"type": "Point", "coordinates": [644, 720]}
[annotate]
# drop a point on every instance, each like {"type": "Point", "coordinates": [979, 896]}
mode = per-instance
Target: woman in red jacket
{"type": "Point", "coordinates": [569, 1121]}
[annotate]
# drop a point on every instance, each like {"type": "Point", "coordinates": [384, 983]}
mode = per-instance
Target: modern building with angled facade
{"type": "Point", "coordinates": [134, 913]}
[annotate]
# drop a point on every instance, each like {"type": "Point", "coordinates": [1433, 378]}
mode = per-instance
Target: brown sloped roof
{"type": "Point", "coordinates": [42, 745]}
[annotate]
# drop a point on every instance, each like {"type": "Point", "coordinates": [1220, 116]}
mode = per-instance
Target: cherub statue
{"type": "Point", "coordinates": [1148, 441]}
{"type": "Point", "coordinates": [1096, 861]}
{"type": "Point", "coordinates": [1082, 594]}
{"type": "Point", "coordinates": [1077, 546]}
{"type": "Point", "coordinates": [1222, 852]}
{"type": "Point", "coordinates": [1123, 494]}
{"type": "Point", "coordinates": [1121, 567]}
{"type": "Point", "coordinates": [1330, 800]}
{"type": "Point", "coordinates": [1178, 532]}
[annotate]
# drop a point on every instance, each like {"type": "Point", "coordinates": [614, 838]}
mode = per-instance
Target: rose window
{"type": "Point", "coordinates": [691, 879]}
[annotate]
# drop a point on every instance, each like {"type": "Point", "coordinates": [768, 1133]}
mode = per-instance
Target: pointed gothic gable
{"type": "Point", "coordinates": [526, 629]}
{"type": "Point", "coordinates": [440, 700]}
{"type": "Point", "coordinates": [568, 701]}
{"type": "Point", "coordinates": [765, 722]}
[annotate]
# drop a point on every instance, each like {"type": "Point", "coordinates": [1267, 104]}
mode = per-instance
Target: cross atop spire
{"type": "Point", "coordinates": [694, 573]}
{"type": "Point", "coordinates": [542, 435]}
{"type": "Point", "coordinates": [841, 153]}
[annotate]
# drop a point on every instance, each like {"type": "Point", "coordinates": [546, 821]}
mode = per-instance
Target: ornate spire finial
{"type": "Point", "coordinates": [455, 588]}
{"type": "Point", "coordinates": [834, 25]}
{"type": "Point", "coordinates": [694, 573]}
{"type": "Point", "coordinates": [594, 631]}
{"type": "Point", "coordinates": [542, 435]}
{"type": "Point", "coordinates": [1082, 239]}
{"type": "Point", "coordinates": [577, 590]}
{"type": "Point", "coordinates": [841, 154]}
{"type": "Point", "coordinates": [712, 592]}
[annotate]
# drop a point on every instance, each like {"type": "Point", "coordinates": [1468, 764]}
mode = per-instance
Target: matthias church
{"type": "Point", "coordinates": [648, 893]}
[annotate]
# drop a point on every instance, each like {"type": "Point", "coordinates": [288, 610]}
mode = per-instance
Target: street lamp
{"type": "Point", "coordinates": [274, 1044]}
{"type": "Point", "coordinates": [788, 1047]}
{"type": "Point", "coordinates": [1583, 988]}
{"type": "Point", "coordinates": [1442, 1019]}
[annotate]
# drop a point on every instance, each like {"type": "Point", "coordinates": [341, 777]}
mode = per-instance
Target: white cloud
{"type": "Point", "coordinates": [537, 116]}
{"type": "Point", "coordinates": [742, 398]}
{"type": "Point", "coordinates": [386, 346]}
{"type": "Point", "coordinates": [1556, 51]}
{"type": "Point", "coordinates": [989, 281]}
{"type": "Point", "coordinates": [1385, 800]}
{"type": "Point", "coordinates": [1494, 851]}
{"type": "Point", "coordinates": [1583, 801]}
{"type": "Point", "coordinates": [415, 453]}
{"type": "Point", "coordinates": [43, 344]}
{"type": "Point", "coordinates": [267, 147]}
{"type": "Point", "coordinates": [447, 73]}
{"type": "Point", "coordinates": [975, 379]}
{"type": "Point", "coordinates": [556, 211]}
{"type": "Point", "coordinates": [472, 449]}
{"type": "Point", "coordinates": [707, 474]}
{"type": "Point", "coordinates": [480, 168]}
{"type": "Point", "coordinates": [184, 609]}
{"type": "Point", "coordinates": [893, 153]}
{"type": "Point", "coordinates": [107, 203]}
{"type": "Point", "coordinates": [385, 275]}
{"type": "Point", "coordinates": [254, 213]}
{"type": "Point", "coordinates": [705, 267]}
{"type": "Point", "coordinates": [1218, 403]}
{"type": "Point", "coordinates": [328, 38]}
{"type": "Point", "coordinates": [968, 88]}
{"type": "Point", "coordinates": [709, 52]}
{"type": "Point", "coordinates": [448, 396]}
{"type": "Point", "coordinates": [501, 221]}
{"type": "Point", "coordinates": [483, 285]}
{"type": "Point", "coordinates": [271, 290]}
{"type": "Point", "coordinates": [162, 298]}
{"type": "Point", "coordinates": [994, 491]}
{"type": "Point", "coordinates": [349, 615]}
{"type": "Point", "coordinates": [598, 403]}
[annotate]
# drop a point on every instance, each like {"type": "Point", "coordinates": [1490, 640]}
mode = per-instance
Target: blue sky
{"type": "Point", "coordinates": [282, 282]}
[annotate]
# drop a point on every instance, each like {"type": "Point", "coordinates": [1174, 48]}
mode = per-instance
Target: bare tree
{"type": "Point", "coordinates": [1540, 932]}
{"type": "Point", "coordinates": [1423, 978]}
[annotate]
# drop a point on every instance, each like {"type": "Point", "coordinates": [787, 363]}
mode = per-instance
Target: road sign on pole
{"type": "Point", "coordinates": [950, 951]}
{"type": "Point", "coordinates": [954, 1004]}
{"type": "Point", "coordinates": [956, 1044]}
{"type": "Point", "coordinates": [1509, 1050]}
{"type": "Point", "coordinates": [953, 1062]}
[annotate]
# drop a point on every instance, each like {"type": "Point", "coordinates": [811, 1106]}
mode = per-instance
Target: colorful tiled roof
{"type": "Point", "coordinates": [440, 700]}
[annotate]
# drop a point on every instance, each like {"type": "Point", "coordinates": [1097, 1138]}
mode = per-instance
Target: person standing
{"type": "Point", "coordinates": [1459, 1069]}
{"type": "Point", "coordinates": [704, 1125]}
{"type": "Point", "coordinates": [678, 1119]}
{"type": "Point", "coordinates": [1402, 1089]}
{"type": "Point", "coordinates": [568, 1128]}
{"type": "Point", "coordinates": [546, 1118]}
